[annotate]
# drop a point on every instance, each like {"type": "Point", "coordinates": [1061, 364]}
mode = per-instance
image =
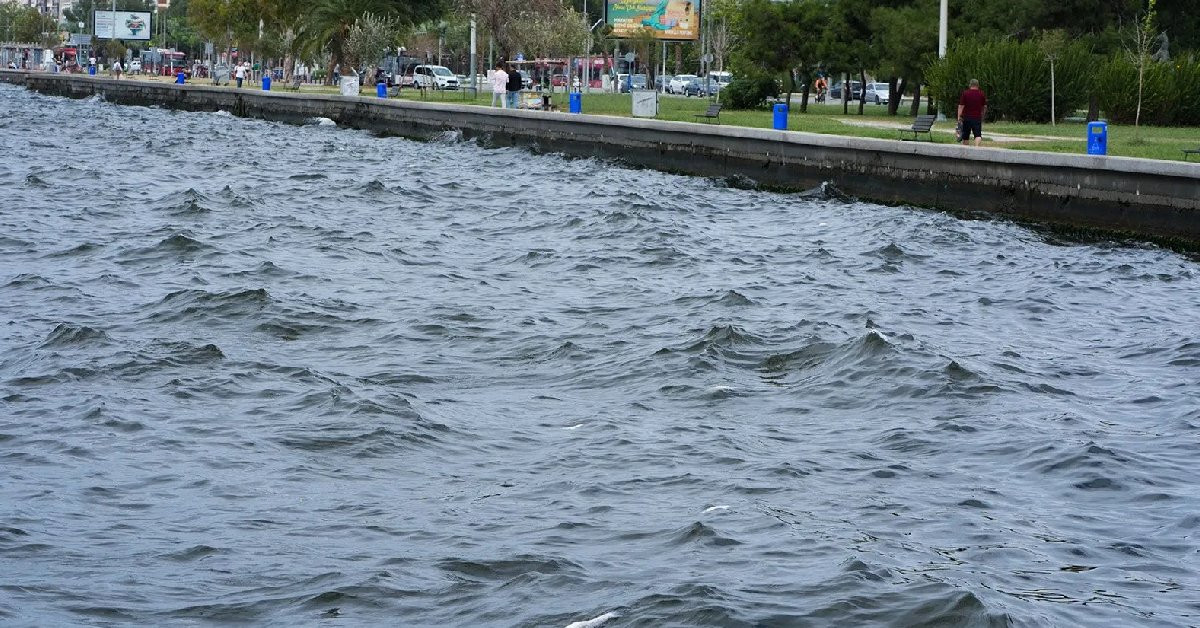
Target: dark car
{"type": "Point", "coordinates": [700, 87]}
{"type": "Point", "coordinates": [856, 90]}
{"type": "Point", "coordinates": [637, 81]}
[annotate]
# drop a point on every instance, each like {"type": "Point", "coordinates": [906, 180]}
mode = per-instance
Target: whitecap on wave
{"type": "Point", "coordinates": [593, 623]}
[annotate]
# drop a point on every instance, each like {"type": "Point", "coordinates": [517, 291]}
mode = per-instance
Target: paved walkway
{"type": "Point", "coordinates": [948, 129]}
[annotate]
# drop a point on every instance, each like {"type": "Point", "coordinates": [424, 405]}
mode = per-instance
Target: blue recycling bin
{"type": "Point", "coordinates": [381, 90]}
{"type": "Point", "coordinates": [780, 119]}
{"type": "Point", "coordinates": [576, 103]}
{"type": "Point", "coordinates": [91, 70]}
{"type": "Point", "coordinates": [180, 78]}
{"type": "Point", "coordinates": [1097, 139]}
{"type": "Point", "coordinates": [266, 82]}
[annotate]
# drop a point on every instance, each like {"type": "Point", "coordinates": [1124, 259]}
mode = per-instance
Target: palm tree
{"type": "Point", "coordinates": [327, 23]}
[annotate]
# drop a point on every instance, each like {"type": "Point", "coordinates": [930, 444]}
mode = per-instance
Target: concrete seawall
{"type": "Point", "coordinates": [1152, 199]}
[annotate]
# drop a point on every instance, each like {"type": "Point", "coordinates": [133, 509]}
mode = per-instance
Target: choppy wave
{"type": "Point", "coordinates": [298, 374]}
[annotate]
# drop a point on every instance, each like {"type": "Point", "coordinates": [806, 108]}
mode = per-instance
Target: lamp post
{"type": "Point", "coordinates": [943, 22]}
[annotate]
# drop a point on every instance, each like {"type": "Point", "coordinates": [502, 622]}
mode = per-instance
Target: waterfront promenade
{"type": "Point", "coordinates": [1143, 198]}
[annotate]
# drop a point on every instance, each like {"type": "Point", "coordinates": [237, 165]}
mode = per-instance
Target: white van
{"type": "Point", "coordinates": [434, 76]}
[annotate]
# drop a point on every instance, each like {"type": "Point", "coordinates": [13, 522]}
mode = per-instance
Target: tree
{"type": "Point", "coordinates": [327, 23]}
{"type": "Point", "coordinates": [498, 19]}
{"type": "Point", "coordinates": [544, 35]}
{"type": "Point", "coordinates": [28, 25]}
{"type": "Point", "coordinates": [1140, 44]}
{"type": "Point", "coordinates": [1052, 44]}
{"type": "Point", "coordinates": [906, 39]}
{"type": "Point", "coordinates": [778, 38]}
{"type": "Point", "coordinates": [368, 38]}
{"type": "Point", "coordinates": [722, 36]}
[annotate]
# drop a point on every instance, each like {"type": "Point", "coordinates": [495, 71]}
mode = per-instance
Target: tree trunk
{"type": "Point", "coordinates": [1093, 108]}
{"type": "Point", "coordinates": [930, 108]}
{"type": "Point", "coordinates": [862, 99]}
{"type": "Point", "coordinates": [915, 108]}
{"type": "Point", "coordinates": [791, 85]}
{"type": "Point", "coordinates": [804, 95]}
{"type": "Point", "coordinates": [1137, 117]}
{"type": "Point", "coordinates": [845, 93]}
{"type": "Point", "coordinates": [895, 93]}
{"type": "Point", "coordinates": [678, 58]}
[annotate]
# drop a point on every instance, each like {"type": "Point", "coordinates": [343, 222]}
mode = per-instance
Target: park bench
{"type": "Point", "coordinates": [923, 124]}
{"type": "Point", "coordinates": [713, 111]}
{"type": "Point", "coordinates": [1188, 152]}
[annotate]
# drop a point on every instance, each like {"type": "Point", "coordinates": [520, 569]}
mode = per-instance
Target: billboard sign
{"type": "Point", "coordinates": [129, 25]}
{"type": "Point", "coordinates": [668, 20]}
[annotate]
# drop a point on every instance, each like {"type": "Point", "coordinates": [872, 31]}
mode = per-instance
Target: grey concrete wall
{"type": "Point", "coordinates": [1139, 197]}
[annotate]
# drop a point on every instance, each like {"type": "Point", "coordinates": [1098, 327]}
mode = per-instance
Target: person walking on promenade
{"type": "Point", "coordinates": [513, 88]}
{"type": "Point", "coordinates": [240, 74]}
{"type": "Point", "coordinates": [116, 68]}
{"type": "Point", "coordinates": [972, 107]}
{"type": "Point", "coordinates": [499, 81]}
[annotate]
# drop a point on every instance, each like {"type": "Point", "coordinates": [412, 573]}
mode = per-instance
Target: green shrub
{"type": "Point", "coordinates": [1187, 82]}
{"type": "Point", "coordinates": [1015, 76]}
{"type": "Point", "coordinates": [749, 92]}
{"type": "Point", "coordinates": [1168, 92]}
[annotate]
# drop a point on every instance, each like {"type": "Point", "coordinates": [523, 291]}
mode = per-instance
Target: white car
{"type": "Point", "coordinates": [878, 93]}
{"type": "Point", "coordinates": [722, 78]}
{"type": "Point", "coordinates": [135, 66]}
{"type": "Point", "coordinates": [679, 82]}
{"type": "Point", "coordinates": [435, 77]}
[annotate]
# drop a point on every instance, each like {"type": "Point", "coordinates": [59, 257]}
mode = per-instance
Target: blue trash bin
{"type": "Point", "coordinates": [180, 78]}
{"type": "Point", "coordinates": [266, 82]}
{"type": "Point", "coordinates": [91, 70]}
{"type": "Point", "coordinates": [576, 103]}
{"type": "Point", "coordinates": [1097, 139]}
{"type": "Point", "coordinates": [381, 90]}
{"type": "Point", "coordinates": [780, 119]}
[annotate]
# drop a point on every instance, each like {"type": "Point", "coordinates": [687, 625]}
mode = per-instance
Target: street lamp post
{"type": "Point", "coordinates": [943, 22]}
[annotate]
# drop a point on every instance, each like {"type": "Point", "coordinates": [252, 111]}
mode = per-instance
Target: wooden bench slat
{"type": "Point", "coordinates": [922, 124]}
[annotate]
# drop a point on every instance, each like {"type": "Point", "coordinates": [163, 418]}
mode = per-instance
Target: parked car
{"type": "Point", "coordinates": [434, 76]}
{"type": "Point", "coordinates": [701, 87]}
{"type": "Point", "coordinates": [856, 90]}
{"type": "Point", "coordinates": [625, 81]}
{"type": "Point", "coordinates": [878, 93]}
{"type": "Point", "coordinates": [722, 78]}
{"type": "Point", "coordinates": [558, 80]}
{"type": "Point", "coordinates": [135, 66]}
{"type": "Point", "coordinates": [678, 81]}
{"type": "Point", "coordinates": [661, 81]}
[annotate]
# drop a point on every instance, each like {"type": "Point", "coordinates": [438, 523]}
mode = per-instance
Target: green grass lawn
{"type": "Point", "coordinates": [1123, 140]}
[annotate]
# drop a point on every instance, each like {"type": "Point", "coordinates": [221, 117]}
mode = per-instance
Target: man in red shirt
{"type": "Point", "coordinates": [972, 106]}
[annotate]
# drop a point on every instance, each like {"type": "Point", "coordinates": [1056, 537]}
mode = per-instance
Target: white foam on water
{"type": "Point", "coordinates": [593, 623]}
{"type": "Point", "coordinates": [574, 427]}
{"type": "Point", "coordinates": [715, 508]}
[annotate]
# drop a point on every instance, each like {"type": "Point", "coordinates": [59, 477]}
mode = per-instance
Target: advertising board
{"type": "Point", "coordinates": [129, 25]}
{"type": "Point", "coordinates": [668, 20]}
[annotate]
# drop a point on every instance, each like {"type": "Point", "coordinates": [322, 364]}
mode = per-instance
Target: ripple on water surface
{"type": "Point", "coordinates": [316, 374]}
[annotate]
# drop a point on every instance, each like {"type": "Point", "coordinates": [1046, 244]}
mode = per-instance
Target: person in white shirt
{"type": "Point", "coordinates": [240, 73]}
{"type": "Point", "coordinates": [116, 68]}
{"type": "Point", "coordinates": [499, 80]}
